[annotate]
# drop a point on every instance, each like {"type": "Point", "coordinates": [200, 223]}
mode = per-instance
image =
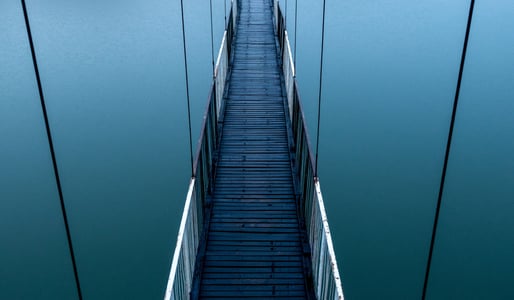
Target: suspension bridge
{"type": "Point", "coordinates": [254, 223]}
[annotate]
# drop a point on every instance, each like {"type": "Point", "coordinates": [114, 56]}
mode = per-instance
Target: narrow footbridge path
{"type": "Point", "coordinates": [254, 244]}
{"type": "Point", "coordinates": [254, 224]}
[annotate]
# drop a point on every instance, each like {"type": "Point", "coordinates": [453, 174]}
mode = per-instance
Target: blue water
{"type": "Point", "coordinates": [114, 84]}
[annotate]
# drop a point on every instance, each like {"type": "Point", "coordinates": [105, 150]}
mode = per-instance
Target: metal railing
{"type": "Point", "coordinates": [224, 55]}
{"type": "Point", "coordinates": [327, 282]}
{"type": "Point", "coordinates": [180, 279]}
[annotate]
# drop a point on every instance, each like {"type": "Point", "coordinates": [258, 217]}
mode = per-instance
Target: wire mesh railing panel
{"type": "Point", "coordinates": [180, 278]}
{"type": "Point", "coordinates": [221, 72]}
{"type": "Point", "coordinates": [289, 72]}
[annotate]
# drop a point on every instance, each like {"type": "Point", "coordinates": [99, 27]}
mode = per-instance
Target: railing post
{"type": "Point", "coordinates": [275, 13]}
{"type": "Point", "coordinates": [235, 11]}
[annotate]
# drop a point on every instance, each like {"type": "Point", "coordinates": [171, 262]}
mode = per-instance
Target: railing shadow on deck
{"type": "Point", "coordinates": [327, 281]}
{"type": "Point", "coordinates": [180, 279]}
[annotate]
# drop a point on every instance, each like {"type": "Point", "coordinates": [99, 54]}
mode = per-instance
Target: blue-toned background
{"type": "Point", "coordinates": [113, 79]}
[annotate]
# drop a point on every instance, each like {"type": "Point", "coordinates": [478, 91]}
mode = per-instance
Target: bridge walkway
{"type": "Point", "coordinates": [254, 246]}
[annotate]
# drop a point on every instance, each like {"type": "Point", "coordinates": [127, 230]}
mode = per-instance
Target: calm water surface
{"type": "Point", "coordinates": [113, 79]}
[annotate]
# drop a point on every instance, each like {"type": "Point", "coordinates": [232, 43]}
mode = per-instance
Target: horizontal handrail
{"type": "Point", "coordinates": [327, 281]}
{"type": "Point", "coordinates": [180, 279]}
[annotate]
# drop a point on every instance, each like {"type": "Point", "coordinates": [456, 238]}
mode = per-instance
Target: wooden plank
{"type": "Point", "coordinates": [250, 264]}
{"type": "Point", "coordinates": [262, 294]}
{"type": "Point", "coordinates": [257, 291]}
{"type": "Point", "coordinates": [286, 283]}
{"type": "Point", "coordinates": [255, 243]}
{"type": "Point", "coordinates": [255, 271]}
{"type": "Point", "coordinates": [292, 274]}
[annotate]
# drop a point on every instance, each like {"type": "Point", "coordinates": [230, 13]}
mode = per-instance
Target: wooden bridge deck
{"type": "Point", "coordinates": [254, 245]}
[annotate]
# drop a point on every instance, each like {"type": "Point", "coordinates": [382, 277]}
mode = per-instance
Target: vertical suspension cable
{"type": "Point", "coordinates": [212, 39]}
{"type": "Point", "coordinates": [225, 9]}
{"type": "Point", "coordinates": [187, 88]}
{"type": "Point", "coordinates": [320, 86]}
{"type": "Point", "coordinates": [295, 31]}
{"type": "Point", "coordinates": [52, 150]}
{"type": "Point", "coordinates": [448, 148]}
{"type": "Point", "coordinates": [285, 16]}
